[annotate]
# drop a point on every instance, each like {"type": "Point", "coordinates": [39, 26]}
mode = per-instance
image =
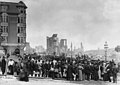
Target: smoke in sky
{"type": "Point", "coordinates": [89, 21]}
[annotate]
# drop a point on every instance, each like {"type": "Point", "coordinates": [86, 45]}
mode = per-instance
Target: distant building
{"type": "Point", "coordinates": [63, 46]}
{"type": "Point", "coordinates": [53, 45]}
{"type": "Point", "coordinates": [39, 49]}
{"type": "Point", "coordinates": [69, 53]}
{"type": "Point", "coordinates": [13, 25]}
{"type": "Point", "coordinates": [28, 49]}
{"type": "Point", "coordinates": [76, 51]}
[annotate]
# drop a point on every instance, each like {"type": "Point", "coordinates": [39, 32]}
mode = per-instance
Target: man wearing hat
{"type": "Point", "coordinates": [115, 71]}
{"type": "Point", "coordinates": [3, 65]}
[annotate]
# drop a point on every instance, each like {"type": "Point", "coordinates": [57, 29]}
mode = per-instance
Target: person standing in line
{"type": "Point", "coordinates": [83, 72]}
{"type": "Point", "coordinates": [3, 65]}
{"type": "Point", "coordinates": [36, 69]}
{"type": "Point", "coordinates": [100, 71]}
{"type": "Point", "coordinates": [96, 68]}
{"type": "Point", "coordinates": [23, 76]}
{"type": "Point", "coordinates": [43, 68]}
{"type": "Point", "coordinates": [10, 66]}
{"type": "Point", "coordinates": [48, 68]}
{"type": "Point", "coordinates": [39, 68]}
{"type": "Point", "coordinates": [87, 71]}
{"type": "Point", "coordinates": [108, 69]}
{"type": "Point", "coordinates": [115, 71]}
{"type": "Point", "coordinates": [106, 76]}
{"type": "Point", "coordinates": [92, 71]}
{"type": "Point", "coordinates": [70, 72]}
{"type": "Point", "coordinates": [104, 71]}
{"type": "Point", "coordinates": [52, 70]}
{"type": "Point", "coordinates": [31, 67]}
{"type": "Point", "coordinates": [80, 72]}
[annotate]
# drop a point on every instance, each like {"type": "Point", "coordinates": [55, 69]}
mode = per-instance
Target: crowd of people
{"type": "Point", "coordinates": [69, 69]}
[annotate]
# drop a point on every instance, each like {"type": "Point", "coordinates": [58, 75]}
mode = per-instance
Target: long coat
{"type": "Point", "coordinates": [3, 65]}
{"type": "Point", "coordinates": [69, 72]}
{"type": "Point", "coordinates": [80, 73]}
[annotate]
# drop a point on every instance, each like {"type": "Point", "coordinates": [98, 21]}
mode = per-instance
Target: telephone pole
{"type": "Point", "coordinates": [71, 50]}
{"type": "Point", "coordinates": [106, 49]}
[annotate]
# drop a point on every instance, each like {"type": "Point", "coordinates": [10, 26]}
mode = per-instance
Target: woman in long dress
{"type": "Point", "coordinates": [80, 68]}
{"type": "Point", "coordinates": [70, 72]}
{"type": "Point", "coordinates": [3, 66]}
{"type": "Point", "coordinates": [99, 72]}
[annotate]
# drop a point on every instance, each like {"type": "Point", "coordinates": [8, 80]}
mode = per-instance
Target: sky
{"type": "Point", "coordinates": [91, 22]}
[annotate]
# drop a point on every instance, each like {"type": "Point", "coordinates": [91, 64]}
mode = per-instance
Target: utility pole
{"type": "Point", "coordinates": [71, 49]}
{"type": "Point", "coordinates": [106, 48]}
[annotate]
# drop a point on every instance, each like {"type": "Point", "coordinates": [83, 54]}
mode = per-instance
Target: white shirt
{"type": "Point", "coordinates": [10, 63]}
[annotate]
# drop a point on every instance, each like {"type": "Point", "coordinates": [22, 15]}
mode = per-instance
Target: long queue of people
{"type": "Point", "coordinates": [72, 70]}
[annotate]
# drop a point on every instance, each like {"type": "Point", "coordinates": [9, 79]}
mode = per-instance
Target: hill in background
{"type": "Point", "coordinates": [100, 54]}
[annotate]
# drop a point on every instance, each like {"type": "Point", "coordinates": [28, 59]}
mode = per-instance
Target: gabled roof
{"type": "Point", "coordinates": [21, 3]}
{"type": "Point", "coordinates": [12, 6]}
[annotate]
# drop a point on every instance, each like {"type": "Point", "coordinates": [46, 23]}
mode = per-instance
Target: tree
{"type": "Point", "coordinates": [117, 49]}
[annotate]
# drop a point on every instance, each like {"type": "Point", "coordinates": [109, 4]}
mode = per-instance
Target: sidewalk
{"type": "Point", "coordinates": [10, 77]}
{"type": "Point", "coordinates": [11, 80]}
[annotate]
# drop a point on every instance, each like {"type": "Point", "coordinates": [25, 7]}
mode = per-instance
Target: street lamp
{"type": "Point", "coordinates": [106, 47]}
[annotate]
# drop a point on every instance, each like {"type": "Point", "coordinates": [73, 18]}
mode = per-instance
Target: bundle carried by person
{"type": "Point", "coordinates": [23, 76]}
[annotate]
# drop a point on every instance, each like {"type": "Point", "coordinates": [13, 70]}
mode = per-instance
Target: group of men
{"type": "Point", "coordinates": [78, 70]}
{"type": "Point", "coordinates": [11, 67]}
